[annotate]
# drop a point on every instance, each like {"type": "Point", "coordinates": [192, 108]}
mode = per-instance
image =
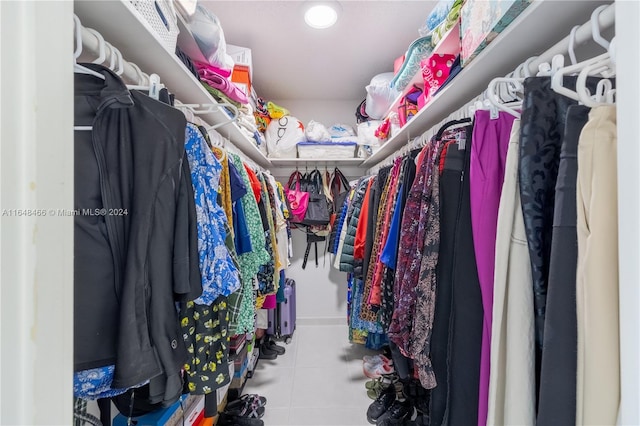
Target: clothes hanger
{"type": "Point", "coordinates": [495, 102]}
{"type": "Point", "coordinates": [605, 94]}
{"type": "Point", "coordinates": [592, 66]}
{"type": "Point", "coordinates": [153, 87]}
{"type": "Point", "coordinates": [77, 68]}
{"type": "Point", "coordinates": [102, 49]}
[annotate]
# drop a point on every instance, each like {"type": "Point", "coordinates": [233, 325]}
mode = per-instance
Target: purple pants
{"type": "Point", "coordinates": [488, 157]}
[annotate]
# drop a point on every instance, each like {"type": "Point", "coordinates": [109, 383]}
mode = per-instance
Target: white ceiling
{"type": "Point", "coordinates": [294, 61]}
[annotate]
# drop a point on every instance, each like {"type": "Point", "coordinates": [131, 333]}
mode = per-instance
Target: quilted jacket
{"type": "Point", "coordinates": [346, 256]}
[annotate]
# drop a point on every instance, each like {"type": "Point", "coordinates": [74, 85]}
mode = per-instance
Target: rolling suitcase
{"type": "Point", "coordinates": [287, 311]}
{"type": "Point", "coordinates": [282, 320]}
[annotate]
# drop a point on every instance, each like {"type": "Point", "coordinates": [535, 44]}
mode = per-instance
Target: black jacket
{"type": "Point", "coordinates": [134, 262]}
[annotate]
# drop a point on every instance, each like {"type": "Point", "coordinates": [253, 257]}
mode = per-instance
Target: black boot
{"type": "Point", "coordinates": [266, 352]}
{"type": "Point", "coordinates": [271, 344]}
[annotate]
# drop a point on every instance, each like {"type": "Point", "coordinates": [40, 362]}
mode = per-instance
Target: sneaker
{"type": "Point", "coordinates": [374, 371]}
{"type": "Point", "coordinates": [245, 408]}
{"type": "Point", "coordinates": [377, 359]}
{"type": "Point", "coordinates": [266, 353]}
{"type": "Point", "coordinates": [280, 350]}
{"type": "Point", "coordinates": [381, 404]}
{"type": "Point", "coordinates": [397, 414]}
{"type": "Point", "coordinates": [254, 398]}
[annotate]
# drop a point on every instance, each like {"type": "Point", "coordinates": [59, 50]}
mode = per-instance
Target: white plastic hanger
{"type": "Point", "coordinates": [605, 93]}
{"type": "Point", "coordinates": [549, 69]}
{"type": "Point", "coordinates": [592, 66]}
{"type": "Point", "coordinates": [154, 86]}
{"type": "Point", "coordinates": [495, 102]}
{"type": "Point", "coordinates": [102, 48]}
{"type": "Point", "coordinates": [76, 67]}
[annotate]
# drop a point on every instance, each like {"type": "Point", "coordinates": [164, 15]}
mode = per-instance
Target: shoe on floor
{"type": "Point", "coordinates": [374, 371]}
{"type": "Point", "coordinates": [398, 414]}
{"type": "Point", "coordinates": [245, 408]}
{"type": "Point", "coordinates": [377, 359]}
{"type": "Point", "coordinates": [261, 401]}
{"type": "Point", "coordinates": [381, 404]}
{"type": "Point", "coordinates": [274, 347]}
{"type": "Point", "coordinates": [266, 353]}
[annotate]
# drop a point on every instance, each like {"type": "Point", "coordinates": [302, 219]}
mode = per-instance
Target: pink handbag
{"type": "Point", "coordinates": [298, 200]}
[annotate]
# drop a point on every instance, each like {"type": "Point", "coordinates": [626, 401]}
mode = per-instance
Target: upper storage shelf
{"type": "Point", "coordinates": [537, 28]}
{"type": "Point", "coordinates": [121, 25]}
{"type": "Point", "coordinates": [450, 43]}
{"type": "Point", "coordinates": [314, 161]}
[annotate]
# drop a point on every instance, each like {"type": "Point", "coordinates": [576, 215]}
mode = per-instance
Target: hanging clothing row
{"type": "Point", "coordinates": [487, 260]}
{"type": "Point", "coordinates": [177, 243]}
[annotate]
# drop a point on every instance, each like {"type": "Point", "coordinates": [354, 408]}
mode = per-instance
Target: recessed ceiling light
{"type": "Point", "coordinates": [321, 14]}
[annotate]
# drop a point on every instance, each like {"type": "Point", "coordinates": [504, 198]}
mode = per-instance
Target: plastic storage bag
{"type": "Point", "coordinates": [283, 135]}
{"type": "Point", "coordinates": [209, 36]}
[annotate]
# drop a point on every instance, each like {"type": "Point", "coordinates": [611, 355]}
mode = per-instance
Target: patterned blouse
{"type": "Point", "coordinates": [412, 239]}
{"type": "Point", "coordinates": [219, 274]}
{"type": "Point", "coordinates": [249, 262]}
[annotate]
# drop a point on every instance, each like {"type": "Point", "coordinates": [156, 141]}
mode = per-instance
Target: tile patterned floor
{"type": "Point", "coordinates": [318, 381]}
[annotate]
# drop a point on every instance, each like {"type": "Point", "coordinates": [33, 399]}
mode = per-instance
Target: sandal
{"type": "Point", "coordinates": [261, 401]}
{"type": "Point", "coordinates": [245, 408]}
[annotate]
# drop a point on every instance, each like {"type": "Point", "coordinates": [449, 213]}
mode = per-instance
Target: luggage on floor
{"type": "Point", "coordinates": [282, 320]}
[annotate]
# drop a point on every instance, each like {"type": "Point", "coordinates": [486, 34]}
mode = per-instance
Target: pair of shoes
{"type": "Point", "coordinates": [271, 344]}
{"type": "Point", "coordinates": [377, 388]}
{"type": "Point", "coordinates": [374, 371]}
{"type": "Point", "coordinates": [269, 349]}
{"type": "Point", "coordinates": [377, 359]}
{"type": "Point", "coordinates": [382, 403]}
{"type": "Point", "coordinates": [266, 353]}
{"type": "Point", "coordinates": [249, 408]}
{"type": "Point", "coordinates": [398, 414]}
{"type": "Point", "coordinates": [413, 391]}
{"type": "Point", "coordinates": [254, 398]}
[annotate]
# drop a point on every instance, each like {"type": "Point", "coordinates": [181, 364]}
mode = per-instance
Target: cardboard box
{"type": "Point", "coordinates": [241, 56]}
{"type": "Point", "coordinates": [482, 21]}
{"type": "Point", "coordinates": [241, 77]}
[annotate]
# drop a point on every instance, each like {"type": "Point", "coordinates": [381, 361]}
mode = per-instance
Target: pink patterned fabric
{"type": "Point", "coordinates": [435, 71]}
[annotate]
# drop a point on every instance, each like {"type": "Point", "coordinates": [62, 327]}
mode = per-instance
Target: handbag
{"type": "Point", "coordinates": [297, 199]}
{"type": "Point", "coordinates": [318, 206]}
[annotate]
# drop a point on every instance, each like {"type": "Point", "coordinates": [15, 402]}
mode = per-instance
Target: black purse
{"type": "Point", "coordinates": [318, 209]}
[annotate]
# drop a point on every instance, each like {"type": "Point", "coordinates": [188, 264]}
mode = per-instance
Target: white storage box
{"type": "Point", "coordinates": [162, 17]}
{"type": "Point", "coordinates": [330, 150]}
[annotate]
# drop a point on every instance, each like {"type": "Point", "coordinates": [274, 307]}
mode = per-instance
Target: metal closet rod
{"type": "Point", "coordinates": [606, 19]}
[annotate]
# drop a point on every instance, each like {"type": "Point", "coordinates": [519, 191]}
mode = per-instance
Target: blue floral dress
{"type": "Point", "coordinates": [220, 277]}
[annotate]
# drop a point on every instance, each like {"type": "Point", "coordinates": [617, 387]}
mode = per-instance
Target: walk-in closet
{"type": "Point", "coordinates": [329, 213]}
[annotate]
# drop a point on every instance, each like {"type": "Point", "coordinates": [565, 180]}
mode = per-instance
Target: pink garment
{"type": "Point", "coordinates": [489, 146]}
{"type": "Point", "coordinates": [435, 71]}
{"type": "Point", "coordinates": [209, 75]}
{"type": "Point", "coordinates": [269, 302]}
{"type": "Point", "coordinates": [220, 71]}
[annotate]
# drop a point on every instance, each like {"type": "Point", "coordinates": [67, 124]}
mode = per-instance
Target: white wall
{"type": "Point", "coordinates": [628, 61]}
{"type": "Point", "coordinates": [321, 292]}
{"type": "Point", "coordinates": [36, 175]}
{"type": "Point", "coordinates": [325, 112]}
